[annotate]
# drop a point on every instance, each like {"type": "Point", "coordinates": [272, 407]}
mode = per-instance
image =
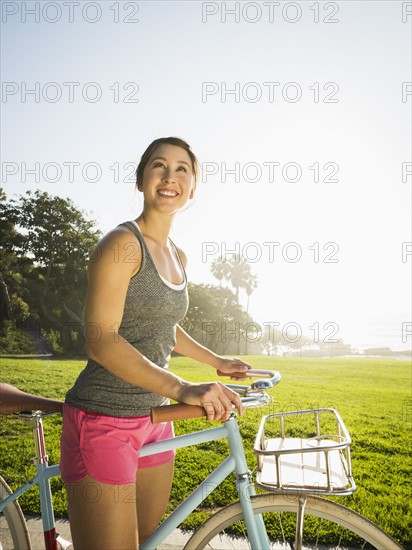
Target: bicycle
{"type": "Point", "coordinates": [281, 518]}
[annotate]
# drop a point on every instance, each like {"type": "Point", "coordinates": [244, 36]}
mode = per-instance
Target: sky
{"type": "Point", "coordinates": [299, 112]}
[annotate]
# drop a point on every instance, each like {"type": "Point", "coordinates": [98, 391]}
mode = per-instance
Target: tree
{"type": "Point", "coordinates": [219, 269]}
{"type": "Point", "coordinates": [54, 239]}
{"type": "Point", "coordinates": [238, 272]}
{"type": "Point", "coordinates": [250, 286]}
{"type": "Point", "coordinates": [214, 318]}
{"type": "Point", "coordinates": [12, 306]}
{"type": "Point", "coordinates": [272, 339]}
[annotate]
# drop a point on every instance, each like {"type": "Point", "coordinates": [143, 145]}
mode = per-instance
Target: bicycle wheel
{"type": "Point", "coordinates": [14, 533]}
{"type": "Point", "coordinates": [326, 525]}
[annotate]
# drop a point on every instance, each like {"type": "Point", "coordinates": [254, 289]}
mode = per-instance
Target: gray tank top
{"type": "Point", "coordinates": [153, 307]}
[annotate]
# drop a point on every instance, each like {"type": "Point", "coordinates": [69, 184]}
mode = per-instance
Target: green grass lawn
{"type": "Point", "coordinates": [373, 397]}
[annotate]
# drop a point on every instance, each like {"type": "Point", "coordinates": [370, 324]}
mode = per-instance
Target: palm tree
{"type": "Point", "coordinates": [251, 284]}
{"type": "Point", "coordinates": [239, 273]}
{"type": "Point", "coordinates": [219, 269]}
{"type": "Point", "coordinates": [236, 270]}
{"type": "Point", "coordinates": [250, 287]}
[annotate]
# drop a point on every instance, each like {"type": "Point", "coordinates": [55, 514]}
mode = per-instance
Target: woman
{"type": "Point", "coordinates": [137, 294]}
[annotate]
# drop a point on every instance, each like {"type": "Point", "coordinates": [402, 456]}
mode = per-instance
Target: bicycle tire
{"type": "Point", "coordinates": [209, 534]}
{"type": "Point", "coordinates": [16, 523]}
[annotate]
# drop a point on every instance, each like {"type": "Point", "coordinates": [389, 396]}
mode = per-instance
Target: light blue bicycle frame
{"type": "Point", "coordinates": [235, 462]}
{"type": "Point", "coordinates": [44, 473]}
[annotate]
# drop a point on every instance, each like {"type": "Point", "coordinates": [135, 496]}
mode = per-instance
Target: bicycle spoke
{"type": "Point", "coordinates": [340, 538]}
{"type": "Point", "coordinates": [281, 528]}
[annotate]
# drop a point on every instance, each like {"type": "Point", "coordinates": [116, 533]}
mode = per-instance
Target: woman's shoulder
{"type": "Point", "coordinates": [117, 246]}
{"type": "Point", "coordinates": [121, 234]}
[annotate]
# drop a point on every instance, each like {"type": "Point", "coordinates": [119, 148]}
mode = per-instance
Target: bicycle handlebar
{"type": "Point", "coordinates": [260, 385]}
{"type": "Point", "coordinates": [182, 411]}
{"type": "Point", "coordinates": [13, 400]}
{"type": "Point", "coordinates": [272, 374]}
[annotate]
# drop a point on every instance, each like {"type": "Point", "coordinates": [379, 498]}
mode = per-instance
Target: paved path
{"type": "Point", "coordinates": [175, 541]}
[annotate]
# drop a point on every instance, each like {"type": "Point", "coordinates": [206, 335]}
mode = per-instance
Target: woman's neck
{"type": "Point", "coordinates": [156, 227]}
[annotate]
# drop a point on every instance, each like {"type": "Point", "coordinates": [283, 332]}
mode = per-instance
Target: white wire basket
{"type": "Point", "coordinates": [304, 452]}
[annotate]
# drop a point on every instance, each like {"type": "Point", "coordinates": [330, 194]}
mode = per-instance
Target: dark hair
{"type": "Point", "coordinates": [170, 141]}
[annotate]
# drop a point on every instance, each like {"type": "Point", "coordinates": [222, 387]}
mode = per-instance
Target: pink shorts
{"type": "Point", "coordinates": [107, 447]}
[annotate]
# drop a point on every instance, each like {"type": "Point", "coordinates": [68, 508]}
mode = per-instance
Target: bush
{"type": "Point", "coordinates": [15, 340]}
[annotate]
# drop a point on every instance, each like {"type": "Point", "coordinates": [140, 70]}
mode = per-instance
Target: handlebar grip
{"type": "Point", "coordinates": [179, 411]}
{"type": "Point", "coordinates": [255, 373]}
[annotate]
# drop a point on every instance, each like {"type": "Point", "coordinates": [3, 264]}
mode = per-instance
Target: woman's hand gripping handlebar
{"type": "Point", "coordinates": [246, 396]}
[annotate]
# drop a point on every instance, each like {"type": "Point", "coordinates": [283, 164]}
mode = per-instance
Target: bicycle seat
{"type": "Point", "coordinates": [13, 400]}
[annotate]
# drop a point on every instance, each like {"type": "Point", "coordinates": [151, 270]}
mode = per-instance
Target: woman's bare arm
{"type": "Point", "coordinates": [225, 366]}
{"type": "Point", "coordinates": [109, 276]}
{"type": "Point", "coordinates": [187, 346]}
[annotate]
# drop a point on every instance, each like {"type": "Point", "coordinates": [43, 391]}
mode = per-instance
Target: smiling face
{"type": "Point", "coordinates": [168, 181]}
